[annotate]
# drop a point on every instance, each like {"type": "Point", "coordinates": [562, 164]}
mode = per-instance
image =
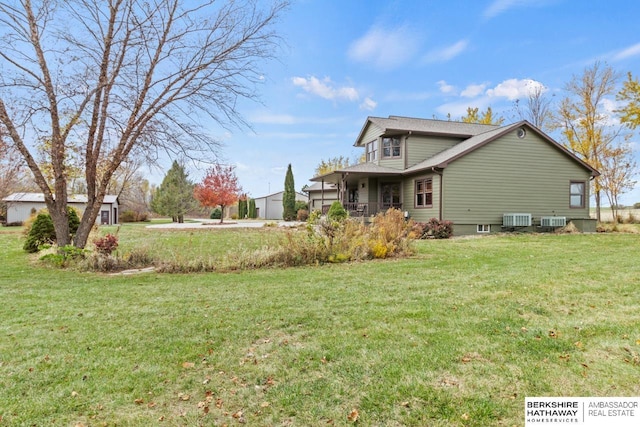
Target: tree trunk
{"type": "Point", "coordinates": [87, 221]}
{"type": "Point", "coordinates": [221, 213]}
{"type": "Point", "coordinates": [60, 219]}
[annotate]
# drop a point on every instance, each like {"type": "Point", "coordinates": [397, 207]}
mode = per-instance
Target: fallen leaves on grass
{"type": "Point", "coordinates": [353, 416]}
{"type": "Point", "coordinates": [188, 365]}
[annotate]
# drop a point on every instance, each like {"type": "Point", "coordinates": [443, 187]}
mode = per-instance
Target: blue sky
{"type": "Point", "coordinates": [345, 60]}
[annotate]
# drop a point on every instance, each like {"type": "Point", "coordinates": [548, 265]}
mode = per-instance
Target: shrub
{"type": "Point", "coordinates": [133, 216]}
{"type": "Point", "coordinates": [107, 244]}
{"type": "Point", "coordinates": [39, 229]}
{"type": "Point", "coordinates": [216, 214]}
{"type": "Point", "coordinates": [303, 215]}
{"type": "Point", "coordinates": [437, 229]}
{"type": "Point", "coordinates": [391, 234]}
{"type": "Point", "coordinates": [631, 218]}
{"type": "Point", "coordinates": [74, 220]}
{"type": "Point", "coordinates": [636, 205]}
{"type": "Point", "coordinates": [300, 205]}
{"type": "Point", "coordinates": [337, 212]}
{"type": "Point", "coordinates": [64, 255]}
{"type": "Point", "coordinates": [40, 233]}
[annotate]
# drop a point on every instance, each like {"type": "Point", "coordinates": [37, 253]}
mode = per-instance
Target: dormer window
{"type": "Point", "coordinates": [372, 151]}
{"type": "Point", "coordinates": [390, 147]}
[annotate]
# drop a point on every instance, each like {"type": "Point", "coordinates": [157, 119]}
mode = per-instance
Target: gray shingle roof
{"type": "Point", "coordinates": [425, 126]}
{"type": "Point", "coordinates": [462, 148]}
{"type": "Point", "coordinates": [39, 198]}
{"type": "Point", "coordinates": [364, 168]}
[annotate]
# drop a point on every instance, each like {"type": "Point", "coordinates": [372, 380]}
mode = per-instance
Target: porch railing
{"type": "Point", "coordinates": [365, 209]}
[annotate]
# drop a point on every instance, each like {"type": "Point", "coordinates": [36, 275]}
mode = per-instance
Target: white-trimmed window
{"type": "Point", "coordinates": [577, 194]}
{"type": "Point", "coordinates": [390, 147]}
{"type": "Point", "coordinates": [372, 152]}
{"type": "Point", "coordinates": [424, 193]}
{"type": "Point", "coordinates": [484, 228]}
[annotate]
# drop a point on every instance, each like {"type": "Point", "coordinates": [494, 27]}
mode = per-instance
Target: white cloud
{"type": "Point", "coordinates": [607, 107]}
{"type": "Point", "coordinates": [513, 89]}
{"type": "Point", "coordinates": [500, 6]}
{"type": "Point", "coordinates": [445, 87]}
{"type": "Point", "coordinates": [459, 108]}
{"type": "Point", "coordinates": [473, 90]}
{"type": "Point", "coordinates": [325, 88]}
{"type": "Point", "coordinates": [368, 104]}
{"type": "Point", "coordinates": [446, 53]}
{"type": "Point", "coordinates": [385, 48]}
{"type": "Point", "coordinates": [627, 52]}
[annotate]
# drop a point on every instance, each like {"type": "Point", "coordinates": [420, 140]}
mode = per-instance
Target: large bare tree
{"type": "Point", "coordinates": [123, 76]}
{"type": "Point", "coordinates": [537, 109]}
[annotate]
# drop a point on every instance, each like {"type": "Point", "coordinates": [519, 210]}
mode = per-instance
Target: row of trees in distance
{"type": "Point", "coordinates": [178, 195]}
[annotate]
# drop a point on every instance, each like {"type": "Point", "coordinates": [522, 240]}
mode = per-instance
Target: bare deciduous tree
{"type": "Point", "coordinates": [124, 76]}
{"type": "Point", "coordinates": [585, 126]}
{"type": "Point", "coordinates": [538, 108]}
{"type": "Point", "coordinates": [618, 169]}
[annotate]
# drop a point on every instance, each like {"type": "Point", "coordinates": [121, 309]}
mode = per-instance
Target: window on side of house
{"type": "Point", "coordinates": [371, 151]}
{"type": "Point", "coordinates": [484, 228]}
{"type": "Point", "coordinates": [424, 193]}
{"type": "Point", "coordinates": [390, 147]}
{"type": "Point", "coordinates": [577, 194]}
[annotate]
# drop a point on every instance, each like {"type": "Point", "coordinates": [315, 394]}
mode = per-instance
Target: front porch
{"type": "Point", "coordinates": [356, 209]}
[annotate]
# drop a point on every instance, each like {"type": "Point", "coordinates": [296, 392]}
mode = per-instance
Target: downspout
{"type": "Point", "coordinates": [406, 149]}
{"type": "Point", "coordinates": [433, 169]}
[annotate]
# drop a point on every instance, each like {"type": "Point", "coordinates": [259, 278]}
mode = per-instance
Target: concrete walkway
{"type": "Point", "coordinates": [230, 224]}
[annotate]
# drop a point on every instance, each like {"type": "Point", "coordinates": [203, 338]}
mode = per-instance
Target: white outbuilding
{"type": "Point", "coordinates": [20, 206]}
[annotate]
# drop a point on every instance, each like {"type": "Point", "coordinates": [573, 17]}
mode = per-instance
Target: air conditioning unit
{"type": "Point", "coordinates": [516, 220]}
{"type": "Point", "coordinates": [553, 221]}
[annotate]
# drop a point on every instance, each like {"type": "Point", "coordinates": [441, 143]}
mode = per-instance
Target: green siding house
{"type": "Point", "coordinates": [483, 178]}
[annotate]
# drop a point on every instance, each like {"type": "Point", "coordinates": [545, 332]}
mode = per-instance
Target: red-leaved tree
{"type": "Point", "coordinates": [218, 188]}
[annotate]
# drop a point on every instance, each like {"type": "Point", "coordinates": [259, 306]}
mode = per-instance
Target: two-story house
{"type": "Point", "coordinates": [483, 178]}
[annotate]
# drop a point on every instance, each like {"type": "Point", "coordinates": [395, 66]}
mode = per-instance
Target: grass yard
{"type": "Point", "coordinates": [457, 335]}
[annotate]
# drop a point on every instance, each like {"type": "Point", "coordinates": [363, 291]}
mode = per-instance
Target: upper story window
{"type": "Point", "coordinates": [390, 147]}
{"type": "Point", "coordinates": [577, 194]}
{"type": "Point", "coordinates": [372, 151]}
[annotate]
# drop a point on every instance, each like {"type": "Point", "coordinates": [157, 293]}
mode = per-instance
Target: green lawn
{"type": "Point", "coordinates": [459, 334]}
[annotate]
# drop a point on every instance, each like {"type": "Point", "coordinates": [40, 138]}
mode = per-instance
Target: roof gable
{"type": "Point", "coordinates": [404, 125]}
{"type": "Point", "coordinates": [442, 159]}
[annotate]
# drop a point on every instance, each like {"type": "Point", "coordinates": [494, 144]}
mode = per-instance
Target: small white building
{"type": "Point", "coordinates": [20, 206]}
{"type": "Point", "coordinates": [270, 207]}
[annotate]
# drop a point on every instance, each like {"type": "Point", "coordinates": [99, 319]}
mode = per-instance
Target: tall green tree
{"type": "Point", "coordinates": [174, 197]}
{"type": "Point", "coordinates": [289, 197]}
{"type": "Point", "coordinates": [253, 213]}
{"type": "Point", "coordinates": [243, 207]}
